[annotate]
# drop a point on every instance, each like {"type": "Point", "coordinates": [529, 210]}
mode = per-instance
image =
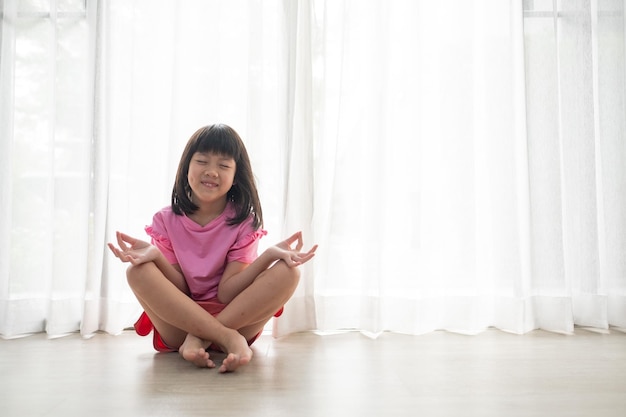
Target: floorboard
{"type": "Point", "coordinates": [307, 374]}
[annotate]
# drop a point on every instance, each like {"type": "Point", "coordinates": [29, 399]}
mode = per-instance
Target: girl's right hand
{"type": "Point", "coordinates": [133, 250]}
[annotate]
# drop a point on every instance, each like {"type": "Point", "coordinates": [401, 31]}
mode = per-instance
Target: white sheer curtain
{"type": "Point", "coordinates": [467, 181]}
{"type": "Point", "coordinates": [46, 75]}
{"type": "Point", "coordinates": [422, 178]}
{"type": "Point", "coordinates": [459, 162]}
{"type": "Point", "coordinates": [575, 72]}
{"type": "Point", "coordinates": [165, 70]}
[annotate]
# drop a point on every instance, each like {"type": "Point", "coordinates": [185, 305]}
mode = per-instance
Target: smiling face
{"type": "Point", "coordinates": [210, 177]}
{"type": "Point", "coordinates": [206, 180]}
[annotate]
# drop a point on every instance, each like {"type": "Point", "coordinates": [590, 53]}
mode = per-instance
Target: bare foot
{"type": "Point", "coordinates": [193, 350]}
{"type": "Point", "coordinates": [239, 353]}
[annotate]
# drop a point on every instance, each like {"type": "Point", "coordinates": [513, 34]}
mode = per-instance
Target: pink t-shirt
{"type": "Point", "coordinates": [202, 252]}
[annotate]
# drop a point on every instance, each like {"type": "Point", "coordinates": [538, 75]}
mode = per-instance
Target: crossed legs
{"type": "Point", "coordinates": [185, 325]}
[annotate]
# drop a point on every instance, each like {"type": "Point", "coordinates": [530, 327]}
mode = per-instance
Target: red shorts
{"type": "Point", "coordinates": [144, 326]}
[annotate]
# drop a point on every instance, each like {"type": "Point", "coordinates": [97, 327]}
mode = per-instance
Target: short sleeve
{"type": "Point", "coordinates": [160, 239]}
{"type": "Point", "coordinates": [245, 248]}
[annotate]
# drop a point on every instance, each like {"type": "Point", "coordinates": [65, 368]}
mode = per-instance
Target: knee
{"type": "Point", "coordinates": [135, 275]}
{"type": "Point", "coordinates": [290, 276]}
{"type": "Point", "coordinates": [132, 275]}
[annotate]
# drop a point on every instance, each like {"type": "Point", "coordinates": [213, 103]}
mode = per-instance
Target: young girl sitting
{"type": "Point", "coordinates": [200, 282]}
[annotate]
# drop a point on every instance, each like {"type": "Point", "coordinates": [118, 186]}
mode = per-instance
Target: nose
{"type": "Point", "coordinates": [210, 172]}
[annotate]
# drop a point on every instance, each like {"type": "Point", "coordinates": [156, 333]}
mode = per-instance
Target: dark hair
{"type": "Point", "coordinates": [222, 140]}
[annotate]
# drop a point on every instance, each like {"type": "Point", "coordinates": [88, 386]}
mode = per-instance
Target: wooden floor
{"type": "Point", "coordinates": [305, 374]}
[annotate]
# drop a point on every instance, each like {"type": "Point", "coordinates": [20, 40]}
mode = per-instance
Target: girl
{"type": "Point", "coordinates": [200, 282]}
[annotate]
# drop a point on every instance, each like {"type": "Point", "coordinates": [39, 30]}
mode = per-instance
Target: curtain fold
{"type": "Point", "coordinates": [575, 139]}
{"type": "Point", "coordinates": [298, 194]}
{"type": "Point", "coordinates": [460, 163]}
{"type": "Point", "coordinates": [46, 113]}
{"type": "Point", "coordinates": [425, 207]}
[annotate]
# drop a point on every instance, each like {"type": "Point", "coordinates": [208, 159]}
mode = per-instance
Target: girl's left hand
{"type": "Point", "coordinates": [292, 256]}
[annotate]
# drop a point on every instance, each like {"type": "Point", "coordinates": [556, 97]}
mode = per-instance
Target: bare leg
{"type": "Point", "coordinates": [256, 305]}
{"type": "Point", "coordinates": [193, 350]}
{"type": "Point", "coordinates": [176, 315]}
{"type": "Point", "coordinates": [251, 310]}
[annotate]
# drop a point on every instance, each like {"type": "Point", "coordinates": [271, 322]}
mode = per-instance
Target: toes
{"type": "Point", "coordinates": [233, 361]}
{"type": "Point", "coordinates": [200, 358]}
{"type": "Point", "coordinates": [230, 364]}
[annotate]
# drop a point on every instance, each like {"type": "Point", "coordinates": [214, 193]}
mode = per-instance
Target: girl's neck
{"type": "Point", "coordinates": [208, 212]}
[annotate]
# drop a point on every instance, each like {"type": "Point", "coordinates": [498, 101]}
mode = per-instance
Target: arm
{"type": "Point", "coordinates": [238, 276]}
{"type": "Point", "coordinates": [140, 252]}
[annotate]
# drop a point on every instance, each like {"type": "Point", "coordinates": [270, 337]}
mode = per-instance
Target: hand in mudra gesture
{"type": "Point", "coordinates": [133, 250]}
{"type": "Point", "coordinates": [292, 256]}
